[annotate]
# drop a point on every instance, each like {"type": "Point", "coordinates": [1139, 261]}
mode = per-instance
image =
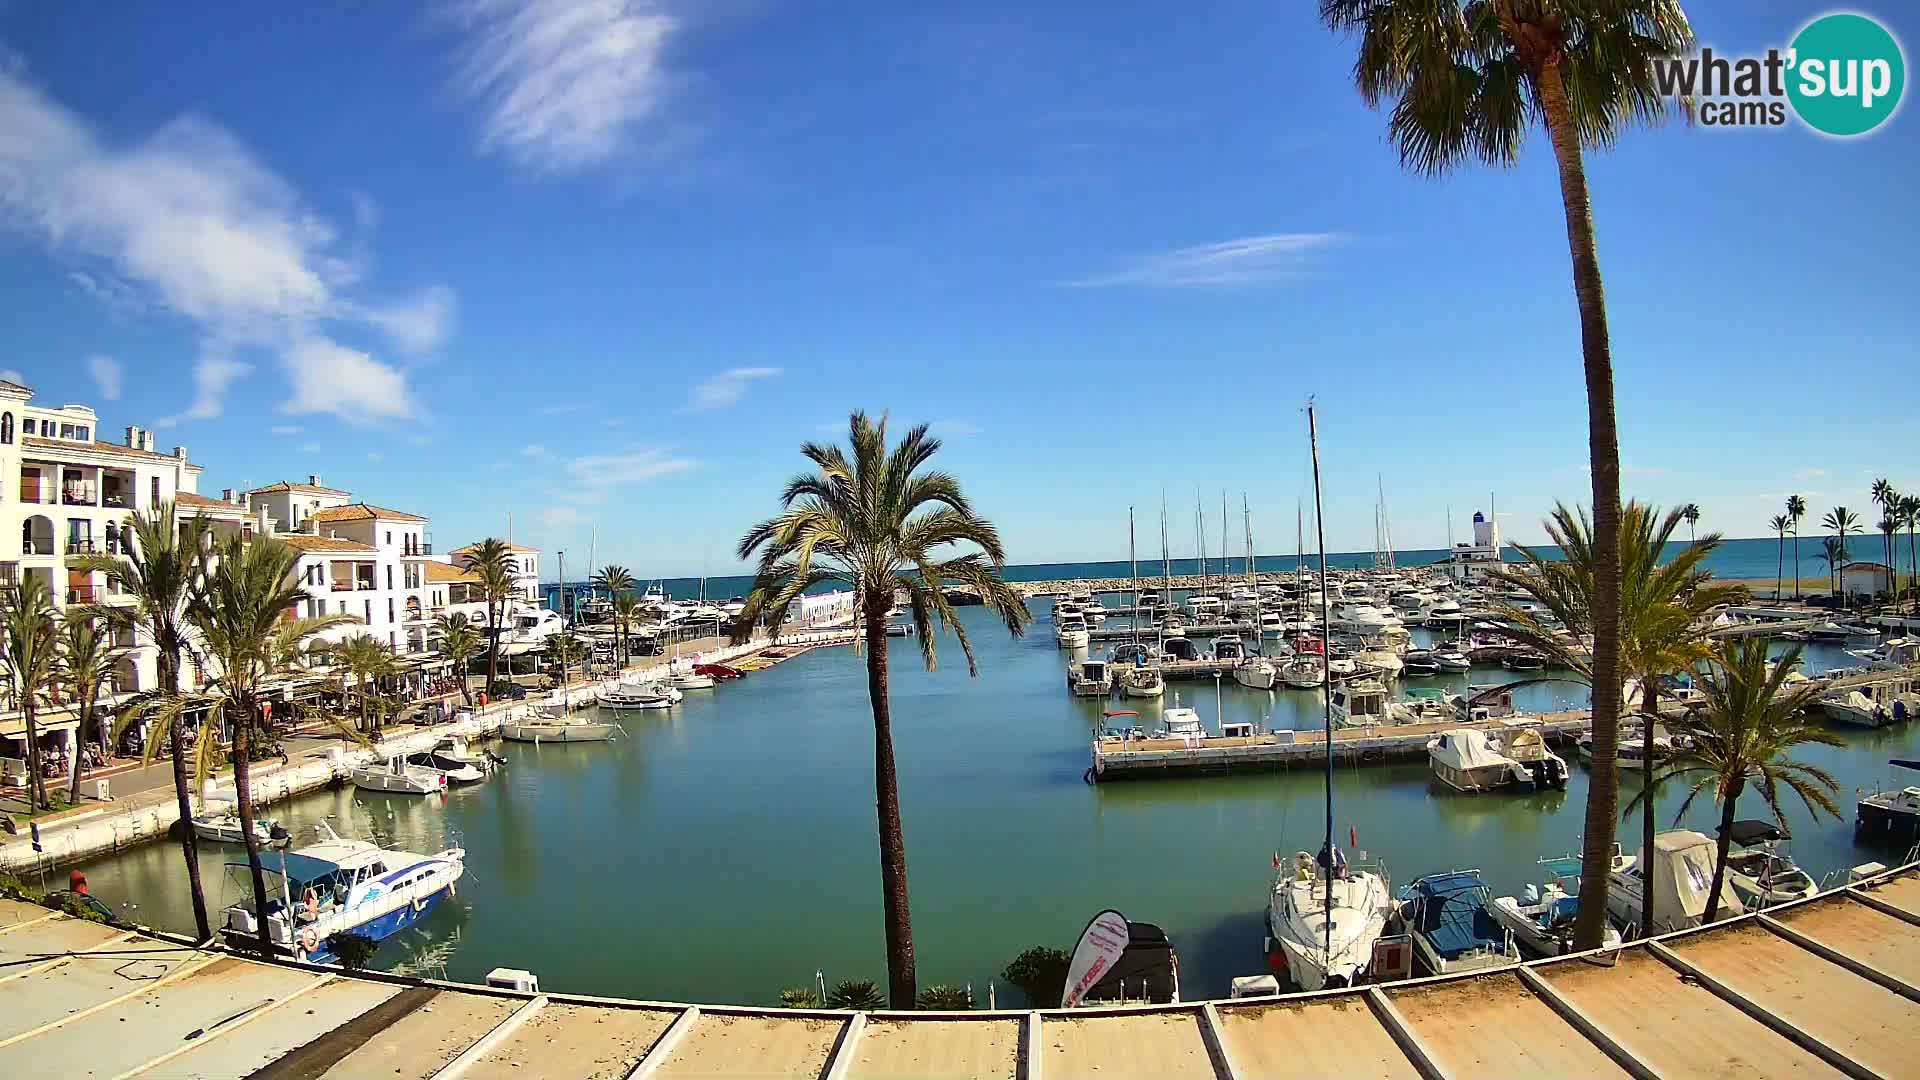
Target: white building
{"type": "Point", "coordinates": [1468, 563]}
{"type": "Point", "coordinates": [1867, 580]}
{"type": "Point", "coordinates": [526, 569]}
{"type": "Point", "coordinates": [68, 493]}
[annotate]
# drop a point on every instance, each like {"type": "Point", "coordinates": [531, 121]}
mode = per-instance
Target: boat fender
{"type": "Point", "coordinates": [308, 942]}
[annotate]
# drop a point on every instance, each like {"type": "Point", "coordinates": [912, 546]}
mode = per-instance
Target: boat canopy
{"type": "Point", "coordinates": [1468, 748]}
{"type": "Point", "coordinates": [301, 871]}
{"type": "Point", "coordinates": [1423, 694]}
{"type": "Point", "coordinates": [1682, 874]}
{"type": "Point", "coordinates": [1750, 831]}
{"type": "Point", "coordinates": [1452, 913]}
{"type": "Point", "coordinates": [1146, 971]}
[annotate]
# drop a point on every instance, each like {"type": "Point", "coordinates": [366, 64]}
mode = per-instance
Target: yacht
{"type": "Point", "coordinates": [339, 886]}
{"type": "Point", "coordinates": [453, 757]}
{"type": "Point", "coordinates": [1525, 744]}
{"type": "Point", "coordinates": [1631, 753]}
{"type": "Point", "coordinates": [1878, 705]}
{"type": "Point", "coordinates": [1298, 919]}
{"type": "Point", "coordinates": [1542, 919]}
{"type": "Point", "coordinates": [1453, 929]}
{"type": "Point", "coordinates": [1422, 706]}
{"type": "Point", "coordinates": [1419, 664]}
{"type": "Point", "coordinates": [1452, 660]}
{"type": "Point", "coordinates": [1443, 615]}
{"type": "Point", "coordinates": [1682, 876]}
{"type": "Point", "coordinates": [1256, 673]}
{"type": "Point", "coordinates": [1142, 682]}
{"type": "Point", "coordinates": [1889, 818]}
{"type": "Point", "coordinates": [1468, 760]}
{"type": "Point", "coordinates": [1524, 660]}
{"type": "Point", "coordinates": [544, 726]}
{"type": "Point", "coordinates": [1362, 618]}
{"type": "Point", "coordinates": [1832, 630]}
{"type": "Point", "coordinates": [1759, 871]}
{"type": "Point", "coordinates": [1891, 654]}
{"type": "Point", "coordinates": [627, 695]}
{"type": "Point", "coordinates": [1229, 648]}
{"type": "Point", "coordinates": [1205, 609]}
{"type": "Point", "coordinates": [1272, 624]}
{"type": "Point", "coordinates": [396, 777]}
{"type": "Point", "coordinates": [1359, 703]}
{"type": "Point", "coordinates": [226, 829]}
{"type": "Point", "coordinates": [1179, 648]}
{"type": "Point", "coordinates": [1181, 722]}
{"type": "Point", "coordinates": [1303, 672]}
{"type": "Point", "coordinates": [1072, 633]}
{"type": "Point", "coordinates": [1090, 678]}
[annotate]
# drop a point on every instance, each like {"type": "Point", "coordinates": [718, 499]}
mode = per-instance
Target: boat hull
{"type": "Point", "coordinates": [557, 733]}
{"type": "Point", "coordinates": [1256, 676]}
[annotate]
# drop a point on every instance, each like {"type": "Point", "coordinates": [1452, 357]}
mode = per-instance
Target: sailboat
{"type": "Point", "coordinates": [1254, 672]}
{"type": "Point", "coordinates": [1324, 917]}
{"type": "Point", "coordinates": [1141, 680]}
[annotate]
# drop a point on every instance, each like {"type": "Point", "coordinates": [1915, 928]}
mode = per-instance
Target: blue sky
{"type": "Point", "coordinates": [607, 266]}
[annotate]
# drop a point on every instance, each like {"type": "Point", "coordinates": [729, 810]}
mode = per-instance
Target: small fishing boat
{"type": "Point", "coordinates": [396, 777]}
{"type": "Point", "coordinates": [1542, 919]}
{"type": "Point", "coordinates": [453, 757]}
{"type": "Point", "coordinates": [684, 676]}
{"type": "Point", "coordinates": [1760, 871]}
{"type": "Point", "coordinates": [540, 726]}
{"type": "Point", "coordinates": [1090, 678]}
{"type": "Point", "coordinates": [1524, 660]}
{"type": "Point", "coordinates": [1681, 872]}
{"type": "Point", "coordinates": [226, 828]}
{"type": "Point", "coordinates": [638, 695]}
{"type": "Point", "coordinates": [1891, 817]}
{"type": "Point", "coordinates": [339, 886]}
{"type": "Point", "coordinates": [1453, 929]}
{"type": "Point", "coordinates": [1468, 760]}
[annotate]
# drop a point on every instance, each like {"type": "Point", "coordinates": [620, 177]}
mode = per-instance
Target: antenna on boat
{"type": "Point", "coordinates": [1326, 674]}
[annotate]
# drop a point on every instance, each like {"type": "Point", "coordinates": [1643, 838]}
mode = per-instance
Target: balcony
{"type": "Point", "coordinates": [88, 595]}
{"type": "Point", "coordinates": [117, 501]}
{"type": "Point", "coordinates": [342, 586]}
{"type": "Point", "coordinates": [82, 545]}
{"type": "Point", "coordinates": [37, 546]}
{"type": "Point", "coordinates": [78, 497]}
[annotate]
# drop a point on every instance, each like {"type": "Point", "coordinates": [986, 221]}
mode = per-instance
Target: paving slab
{"type": "Point", "coordinates": [753, 1047]}
{"type": "Point", "coordinates": [1328, 1037]}
{"type": "Point", "coordinates": [938, 1049]}
{"type": "Point", "coordinates": [576, 1042]}
{"type": "Point", "coordinates": [1874, 938]}
{"type": "Point", "coordinates": [1903, 893]}
{"type": "Point", "coordinates": [42, 997]}
{"type": "Point", "coordinates": [1493, 1025]}
{"type": "Point", "coordinates": [1165, 1045]}
{"type": "Point", "coordinates": [265, 1040]}
{"type": "Point", "coordinates": [422, 1042]}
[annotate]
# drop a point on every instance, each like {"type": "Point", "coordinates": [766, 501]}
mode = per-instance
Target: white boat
{"type": "Point", "coordinates": [1090, 678]}
{"type": "Point", "coordinates": [396, 777]}
{"type": "Point", "coordinates": [1256, 673]}
{"type": "Point", "coordinates": [1298, 921]}
{"type": "Point", "coordinates": [1452, 660]}
{"type": "Point", "coordinates": [1272, 624]}
{"type": "Point", "coordinates": [685, 675]}
{"type": "Point", "coordinates": [1359, 703]}
{"type": "Point", "coordinates": [626, 696]}
{"type": "Point", "coordinates": [340, 886]}
{"type": "Point", "coordinates": [1838, 631]}
{"type": "Point", "coordinates": [545, 727]}
{"type": "Point", "coordinates": [1422, 706]}
{"type": "Point", "coordinates": [226, 829]}
{"type": "Point", "coordinates": [453, 757]}
{"type": "Point", "coordinates": [1072, 633]}
{"type": "Point", "coordinates": [1760, 871]}
{"type": "Point", "coordinates": [1525, 744]}
{"type": "Point", "coordinates": [1181, 722]}
{"type": "Point", "coordinates": [1303, 672]}
{"type": "Point", "coordinates": [1682, 876]}
{"type": "Point", "coordinates": [1142, 682]}
{"type": "Point", "coordinates": [1466, 759]}
{"type": "Point", "coordinates": [1631, 753]}
{"type": "Point", "coordinates": [1542, 919]}
{"type": "Point", "coordinates": [1229, 647]}
{"type": "Point", "coordinates": [1362, 618]}
{"type": "Point", "coordinates": [1853, 708]}
{"type": "Point", "coordinates": [1453, 929]}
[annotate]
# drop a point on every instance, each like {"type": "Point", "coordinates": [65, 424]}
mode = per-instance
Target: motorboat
{"type": "Point", "coordinates": [1359, 703]}
{"type": "Point", "coordinates": [1524, 660]}
{"type": "Point", "coordinates": [1889, 818]}
{"type": "Point", "coordinates": [1205, 609]}
{"type": "Point", "coordinates": [1147, 972]}
{"type": "Point", "coordinates": [1181, 722]}
{"type": "Point", "coordinates": [1172, 626]}
{"type": "Point", "coordinates": [1303, 672]}
{"type": "Point", "coordinates": [396, 776]}
{"type": "Point", "coordinates": [1272, 624]}
{"type": "Point", "coordinates": [1419, 664]}
{"type": "Point", "coordinates": [1469, 760]}
{"type": "Point", "coordinates": [1257, 673]}
{"type": "Point", "coordinates": [1443, 615]}
{"type": "Point", "coordinates": [1179, 648]}
{"type": "Point", "coordinates": [1631, 751]}
{"type": "Point", "coordinates": [1890, 655]}
{"type": "Point", "coordinates": [682, 675]}
{"type": "Point", "coordinates": [1832, 630]}
{"type": "Point", "coordinates": [1422, 706]}
{"type": "Point", "coordinates": [339, 887]}
{"type": "Point", "coordinates": [1525, 743]}
{"type": "Point", "coordinates": [453, 757]}
{"type": "Point", "coordinates": [1228, 648]}
{"type": "Point", "coordinates": [1681, 871]}
{"type": "Point", "coordinates": [1142, 682]}
{"type": "Point", "coordinates": [1542, 918]}
{"type": "Point", "coordinates": [1883, 703]}
{"type": "Point", "coordinates": [624, 696]}
{"type": "Point", "coordinates": [1453, 929]}
{"type": "Point", "coordinates": [1384, 664]}
{"type": "Point", "coordinates": [1299, 919]}
{"type": "Point", "coordinates": [1484, 703]}
{"type": "Point", "coordinates": [1090, 678]}
{"type": "Point", "coordinates": [226, 828]}
{"type": "Point", "coordinates": [1362, 618]}
{"type": "Point", "coordinates": [1760, 871]}
{"type": "Point", "coordinates": [1452, 660]}
{"type": "Point", "coordinates": [542, 726]}
{"type": "Point", "coordinates": [1072, 633]}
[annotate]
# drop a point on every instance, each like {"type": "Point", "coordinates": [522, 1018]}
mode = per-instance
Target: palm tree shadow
{"type": "Point", "coordinates": [1228, 948]}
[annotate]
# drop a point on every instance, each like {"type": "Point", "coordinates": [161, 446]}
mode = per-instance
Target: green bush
{"type": "Point", "coordinates": [945, 997]}
{"type": "Point", "coordinates": [353, 950]}
{"type": "Point", "coordinates": [1040, 973]}
{"type": "Point", "coordinates": [799, 997]}
{"type": "Point", "coordinates": [12, 888]}
{"type": "Point", "coordinates": [856, 994]}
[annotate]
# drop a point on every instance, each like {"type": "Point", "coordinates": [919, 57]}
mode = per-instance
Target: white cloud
{"type": "Point", "coordinates": [563, 517]}
{"type": "Point", "coordinates": [285, 429]}
{"type": "Point", "coordinates": [499, 466]}
{"type": "Point", "coordinates": [375, 456]}
{"type": "Point", "coordinates": [955, 429]}
{"type": "Point", "coordinates": [726, 388]}
{"type": "Point", "coordinates": [1809, 474]}
{"type": "Point", "coordinates": [565, 83]}
{"type": "Point", "coordinates": [212, 374]}
{"type": "Point", "coordinates": [562, 410]}
{"type": "Point", "coordinates": [1245, 261]}
{"type": "Point", "coordinates": [331, 378]}
{"type": "Point", "coordinates": [537, 451]}
{"type": "Point", "coordinates": [188, 222]}
{"type": "Point", "coordinates": [106, 374]}
{"type": "Point", "coordinates": [597, 475]}
{"type": "Point", "coordinates": [13, 376]}
{"type": "Point", "coordinates": [310, 448]}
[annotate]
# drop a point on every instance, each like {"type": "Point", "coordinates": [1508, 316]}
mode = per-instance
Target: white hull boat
{"type": "Point", "coordinates": [1142, 683]}
{"type": "Point", "coordinates": [557, 729]}
{"type": "Point", "coordinates": [1303, 673]}
{"type": "Point", "coordinates": [1542, 919]}
{"type": "Point", "coordinates": [633, 696]}
{"type": "Point", "coordinates": [397, 777]}
{"type": "Point", "coordinates": [1257, 674]}
{"type": "Point", "coordinates": [1297, 922]}
{"type": "Point", "coordinates": [225, 829]}
{"type": "Point", "coordinates": [1682, 876]}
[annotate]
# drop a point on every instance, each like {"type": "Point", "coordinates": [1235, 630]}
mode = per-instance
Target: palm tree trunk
{"type": "Point", "coordinates": [1796, 563]}
{"type": "Point", "coordinates": [1840, 570]}
{"type": "Point", "coordinates": [893, 848]}
{"type": "Point", "coordinates": [243, 796]}
{"type": "Point", "coordinates": [1603, 448]}
{"type": "Point", "coordinates": [79, 745]}
{"type": "Point", "coordinates": [493, 646]}
{"type": "Point", "coordinates": [1913, 561]}
{"type": "Point", "coordinates": [1779, 566]}
{"type": "Point", "coordinates": [1727, 807]}
{"type": "Point", "coordinates": [36, 784]}
{"type": "Point", "coordinates": [1649, 712]}
{"type": "Point", "coordinates": [169, 662]}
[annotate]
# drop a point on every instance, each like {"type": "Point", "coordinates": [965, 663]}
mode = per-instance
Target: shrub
{"type": "Point", "coordinates": [353, 950]}
{"type": "Point", "coordinates": [945, 997]}
{"type": "Point", "coordinates": [856, 994]}
{"type": "Point", "coordinates": [1040, 973]}
{"type": "Point", "coordinates": [799, 997]}
{"type": "Point", "coordinates": [12, 888]}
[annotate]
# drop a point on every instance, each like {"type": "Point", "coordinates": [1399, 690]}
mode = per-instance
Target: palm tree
{"type": "Point", "coordinates": [626, 614]}
{"type": "Point", "coordinates": [1779, 524]}
{"type": "Point", "coordinates": [1842, 521]}
{"type": "Point", "coordinates": [459, 642]}
{"type": "Point", "coordinates": [1742, 737]}
{"type": "Point", "coordinates": [160, 571]}
{"type": "Point", "coordinates": [87, 659]}
{"type": "Point", "coordinates": [618, 582]}
{"type": "Point", "coordinates": [1663, 629]}
{"type": "Point", "coordinates": [1889, 534]}
{"type": "Point", "coordinates": [491, 561]}
{"type": "Point", "coordinates": [244, 617]}
{"type": "Point", "coordinates": [366, 658]}
{"type": "Point", "coordinates": [1910, 517]}
{"type": "Point", "coordinates": [1796, 510]}
{"type": "Point", "coordinates": [32, 635]}
{"type": "Point", "coordinates": [880, 524]}
{"type": "Point", "coordinates": [1470, 81]}
{"type": "Point", "coordinates": [1834, 553]}
{"type": "Point", "coordinates": [565, 650]}
{"type": "Point", "coordinates": [1691, 512]}
{"type": "Point", "coordinates": [1886, 498]}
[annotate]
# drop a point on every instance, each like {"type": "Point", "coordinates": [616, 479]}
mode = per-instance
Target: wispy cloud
{"type": "Point", "coordinates": [565, 83]}
{"type": "Point", "coordinates": [563, 410]}
{"type": "Point", "coordinates": [955, 429]}
{"type": "Point", "coordinates": [310, 448]}
{"type": "Point", "coordinates": [537, 452]}
{"type": "Point", "coordinates": [1809, 474]}
{"type": "Point", "coordinates": [726, 388]}
{"type": "Point", "coordinates": [13, 375]}
{"type": "Point", "coordinates": [597, 476]}
{"type": "Point", "coordinates": [187, 222]}
{"type": "Point", "coordinates": [375, 456]}
{"type": "Point", "coordinates": [1246, 261]}
{"type": "Point", "coordinates": [106, 374]}
{"type": "Point", "coordinates": [563, 517]}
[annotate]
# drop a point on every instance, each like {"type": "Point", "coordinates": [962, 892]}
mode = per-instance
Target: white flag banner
{"type": "Point", "coordinates": [1101, 943]}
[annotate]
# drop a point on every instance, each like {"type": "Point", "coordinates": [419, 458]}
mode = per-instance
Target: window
{"type": "Point", "coordinates": [369, 604]}
{"type": "Point", "coordinates": [156, 493]}
{"type": "Point", "coordinates": [26, 425]}
{"type": "Point", "coordinates": [6, 427]}
{"type": "Point", "coordinates": [389, 537]}
{"type": "Point", "coordinates": [343, 607]}
{"type": "Point", "coordinates": [389, 569]}
{"type": "Point", "coordinates": [389, 607]}
{"type": "Point", "coordinates": [85, 434]}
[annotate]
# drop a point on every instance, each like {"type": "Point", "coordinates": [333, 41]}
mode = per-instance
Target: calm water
{"type": "Point", "coordinates": [728, 850]}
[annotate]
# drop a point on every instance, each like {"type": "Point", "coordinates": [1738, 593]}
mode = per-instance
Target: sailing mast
{"type": "Point", "coordinates": [1225, 568]}
{"type": "Point", "coordinates": [1326, 676]}
{"type": "Point", "coordinates": [1386, 523]}
{"type": "Point", "coordinates": [1166, 580]}
{"type": "Point", "coordinates": [1253, 576]}
{"type": "Point", "coordinates": [1200, 541]}
{"type": "Point", "coordinates": [1133, 561]}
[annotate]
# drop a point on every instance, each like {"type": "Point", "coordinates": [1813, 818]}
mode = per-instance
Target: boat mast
{"type": "Point", "coordinates": [1326, 676]}
{"type": "Point", "coordinates": [1386, 523]}
{"type": "Point", "coordinates": [1200, 541]}
{"type": "Point", "coordinates": [1133, 562]}
{"type": "Point", "coordinates": [1225, 568]}
{"type": "Point", "coordinates": [1253, 576]}
{"type": "Point", "coordinates": [1166, 580]}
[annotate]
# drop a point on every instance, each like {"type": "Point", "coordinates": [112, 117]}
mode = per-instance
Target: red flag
{"type": "Point", "coordinates": [1353, 838]}
{"type": "Point", "coordinates": [1276, 860]}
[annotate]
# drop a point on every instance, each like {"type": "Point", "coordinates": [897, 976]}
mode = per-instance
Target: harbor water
{"type": "Point", "coordinates": [726, 849]}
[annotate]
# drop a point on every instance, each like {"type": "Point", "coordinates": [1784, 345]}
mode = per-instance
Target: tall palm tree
{"type": "Point", "coordinates": [1470, 80]}
{"type": "Point", "coordinates": [87, 659]}
{"type": "Point", "coordinates": [1779, 524]}
{"type": "Point", "coordinates": [875, 519]}
{"type": "Point", "coordinates": [1663, 629]}
{"type": "Point", "coordinates": [1842, 521]}
{"type": "Point", "coordinates": [244, 618]}
{"type": "Point", "coordinates": [626, 615]}
{"type": "Point", "coordinates": [614, 578]}
{"type": "Point", "coordinates": [1910, 517]}
{"type": "Point", "coordinates": [1886, 498]}
{"type": "Point", "coordinates": [565, 650]}
{"type": "Point", "coordinates": [160, 571]}
{"type": "Point", "coordinates": [1742, 737]}
{"type": "Point", "coordinates": [1691, 514]}
{"type": "Point", "coordinates": [1889, 537]}
{"type": "Point", "coordinates": [32, 635]}
{"type": "Point", "coordinates": [459, 642]}
{"type": "Point", "coordinates": [367, 659]}
{"type": "Point", "coordinates": [491, 560]}
{"type": "Point", "coordinates": [1796, 511]}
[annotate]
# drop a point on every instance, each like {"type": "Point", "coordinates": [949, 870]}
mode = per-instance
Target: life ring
{"type": "Point", "coordinates": [308, 942]}
{"type": "Point", "coordinates": [313, 902]}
